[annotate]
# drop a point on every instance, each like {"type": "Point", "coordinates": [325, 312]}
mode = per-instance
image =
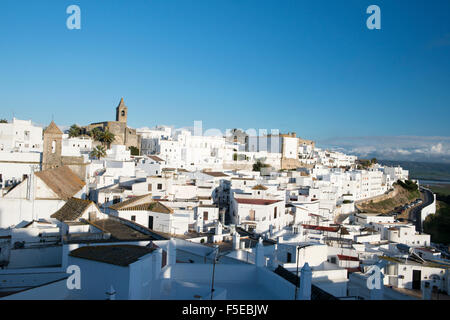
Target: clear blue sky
{"type": "Point", "coordinates": [306, 66]}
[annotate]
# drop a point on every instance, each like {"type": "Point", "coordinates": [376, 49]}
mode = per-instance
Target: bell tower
{"type": "Point", "coordinates": [51, 156]}
{"type": "Point", "coordinates": [121, 112]}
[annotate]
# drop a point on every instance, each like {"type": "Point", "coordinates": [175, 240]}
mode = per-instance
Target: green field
{"type": "Point", "coordinates": [422, 170]}
{"type": "Point", "coordinates": [443, 189]}
{"type": "Point", "coordinates": [438, 225]}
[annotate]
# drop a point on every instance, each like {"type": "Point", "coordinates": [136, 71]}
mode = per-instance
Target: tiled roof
{"type": "Point", "coordinates": [154, 206]}
{"type": "Point", "coordinates": [260, 202]}
{"type": "Point", "coordinates": [121, 255]}
{"type": "Point", "coordinates": [72, 210]}
{"type": "Point", "coordinates": [347, 258]}
{"type": "Point", "coordinates": [259, 187]}
{"type": "Point", "coordinates": [320, 228]}
{"type": "Point", "coordinates": [119, 231]}
{"type": "Point", "coordinates": [215, 174]}
{"type": "Point", "coordinates": [132, 202]}
{"type": "Point", "coordinates": [156, 158]}
{"type": "Point", "coordinates": [62, 180]}
{"type": "Point", "coordinates": [53, 128]}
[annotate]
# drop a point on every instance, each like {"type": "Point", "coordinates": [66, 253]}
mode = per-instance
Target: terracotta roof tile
{"type": "Point", "coordinates": [154, 206]}
{"type": "Point", "coordinates": [119, 231]}
{"type": "Point", "coordinates": [53, 128]}
{"type": "Point", "coordinates": [260, 202]}
{"type": "Point", "coordinates": [132, 202]}
{"type": "Point", "coordinates": [62, 180]}
{"type": "Point", "coordinates": [72, 210]}
{"type": "Point", "coordinates": [347, 258]}
{"type": "Point", "coordinates": [156, 158]}
{"type": "Point", "coordinates": [259, 187]}
{"type": "Point", "coordinates": [215, 174]}
{"type": "Point", "coordinates": [121, 255]}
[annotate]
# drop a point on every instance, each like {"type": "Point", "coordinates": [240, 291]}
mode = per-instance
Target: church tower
{"type": "Point", "coordinates": [121, 112]}
{"type": "Point", "coordinates": [51, 156]}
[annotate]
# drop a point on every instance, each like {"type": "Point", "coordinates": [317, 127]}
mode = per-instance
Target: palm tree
{"type": "Point", "coordinates": [98, 152]}
{"type": "Point", "coordinates": [74, 131]}
{"type": "Point", "coordinates": [107, 137]}
{"type": "Point", "coordinates": [96, 133]}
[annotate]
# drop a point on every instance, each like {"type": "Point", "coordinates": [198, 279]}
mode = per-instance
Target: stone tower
{"type": "Point", "coordinates": [121, 112]}
{"type": "Point", "coordinates": [51, 155]}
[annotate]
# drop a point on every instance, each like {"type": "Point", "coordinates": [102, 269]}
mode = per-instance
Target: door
{"type": "Point", "coordinates": [289, 257]}
{"type": "Point", "coordinates": [150, 222]}
{"type": "Point", "coordinates": [416, 279]}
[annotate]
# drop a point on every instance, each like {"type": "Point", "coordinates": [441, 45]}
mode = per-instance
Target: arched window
{"type": "Point", "coordinates": [123, 113]}
{"type": "Point", "coordinates": [53, 146]}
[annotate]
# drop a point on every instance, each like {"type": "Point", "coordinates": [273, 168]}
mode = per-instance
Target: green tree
{"type": "Point", "coordinates": [134, 151]}
{"type": "Point", "coordinates": [258, 165]}
{"type": "Point", "coordinates": [107, 138]}
{"type": "Point", "coordinates": [74, 131]}
{"type": "Point", "coordinates": [3, 121]}
{"type": "Point", "coordinates": [98, 152]}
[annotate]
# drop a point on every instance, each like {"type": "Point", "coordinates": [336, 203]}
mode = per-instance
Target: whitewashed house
{"type": "Point", "coordinates": [39, 195]}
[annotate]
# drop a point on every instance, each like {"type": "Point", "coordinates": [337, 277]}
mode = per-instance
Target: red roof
{"type": "Point", "coordinates": [347, 258]}
{"type": "Point", "coordinates": [259, 202]}
{"type": "Point", "coordinates": [320, 228]}
{"type": "Point", "coordinates": [351, 270]}
{"type": "Point", "coordinates": [156, 158]}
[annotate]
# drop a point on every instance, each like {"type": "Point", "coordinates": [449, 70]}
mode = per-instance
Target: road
{"type": "Point", "coordinates": [415, 212]}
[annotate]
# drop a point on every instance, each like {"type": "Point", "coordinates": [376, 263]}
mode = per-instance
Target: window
{"type": "Point", "coordinates": [275, 212]}
{"type": "Point", "coordinates": [149, 187]}
{"type": "Point", "coordinates": [205, 215]}
{"type": "Point", "coordinates": [133, 218]}
{"type": "Point", "coordinates": [116, 199]}
{"type": "Point", "coordinates": [252, 215]}
{"type": "Point", "coordinates": [123, 113]}
{"type": "Point", "coordinates": [159, 186]}
{"type": "Point", "coordinates": [53, 146]}
{"type": "Point", "coordinates": [289, 257]}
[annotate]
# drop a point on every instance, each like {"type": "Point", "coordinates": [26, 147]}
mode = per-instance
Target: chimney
{"type": "Point", "coordinates": [260, 259]}
{"type": "Point", "coordinates": [305, 282]}
{"type": "Point", "coordinates": [236, 240]}
{"type": "Point", "coordinates": [171, 252]}
{"type": "Point", "coordinates": [157, 256]}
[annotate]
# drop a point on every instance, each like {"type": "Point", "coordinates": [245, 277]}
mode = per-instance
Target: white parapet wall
{"type": "Point", "coordinates": [430, 209]}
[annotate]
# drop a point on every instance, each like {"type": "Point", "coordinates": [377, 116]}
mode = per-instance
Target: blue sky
{"type": "Point", "coordinates": [306, 66]}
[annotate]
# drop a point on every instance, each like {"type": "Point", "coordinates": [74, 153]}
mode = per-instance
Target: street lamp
{"type": "Point", "coordinates": [298, 278]}
{"type": "Point", "coordinates": [216, 251]}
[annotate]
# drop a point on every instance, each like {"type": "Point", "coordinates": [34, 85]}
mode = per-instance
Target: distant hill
{"type": "Point", "coordinates": [422, 170]}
